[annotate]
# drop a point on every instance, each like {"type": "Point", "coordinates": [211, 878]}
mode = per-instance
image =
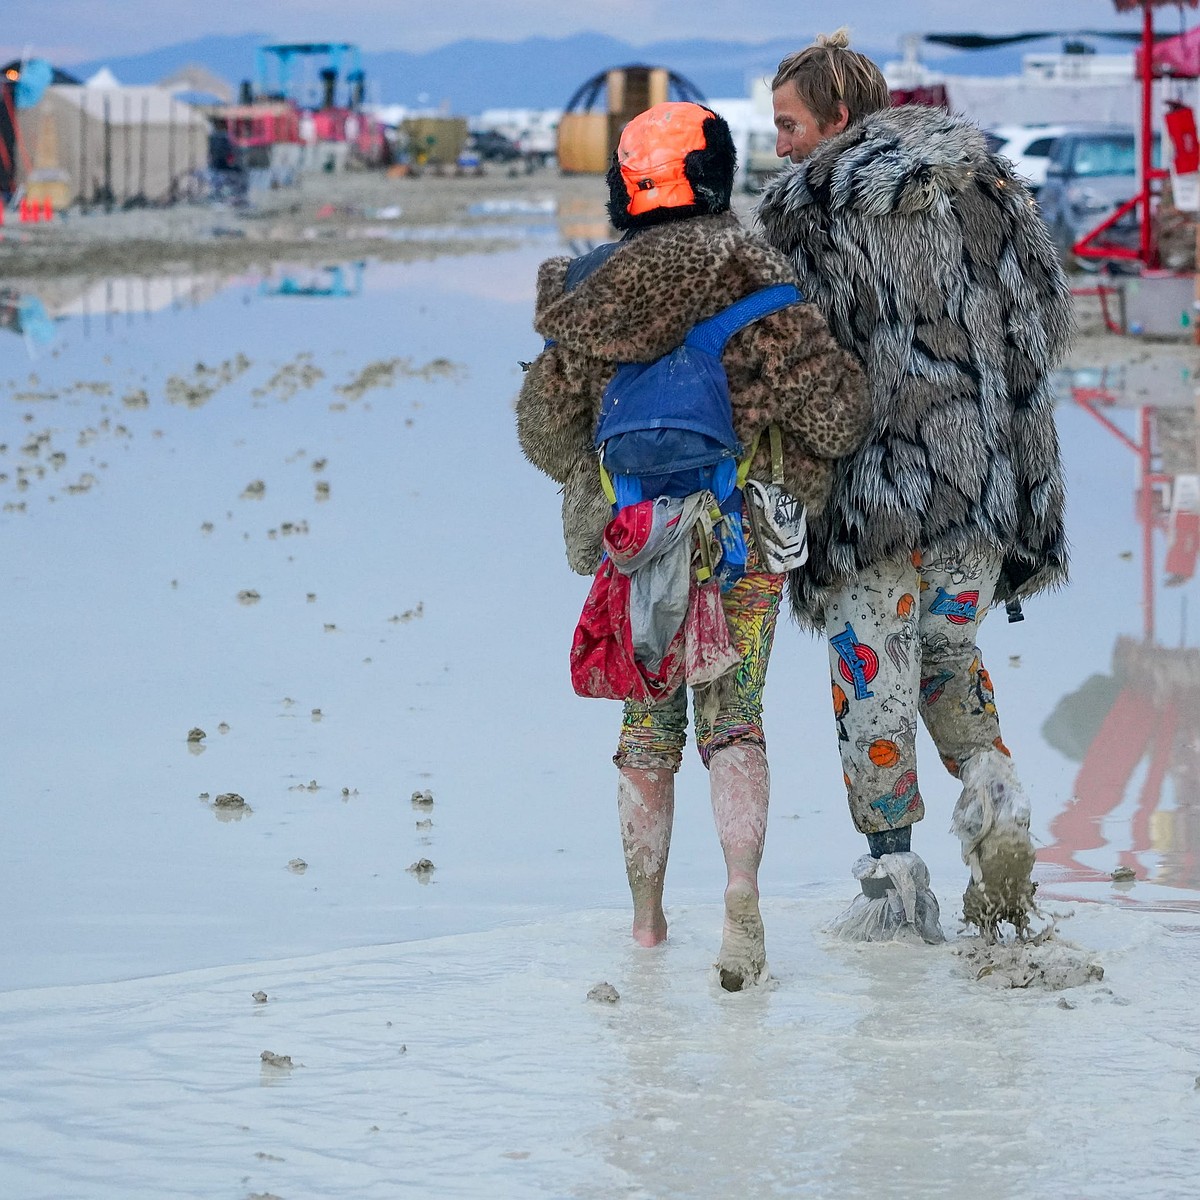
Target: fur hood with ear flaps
{"type": "Point", "coordinates": [784, 369]}
{"type": "Point", "coordinates": [932, 265]}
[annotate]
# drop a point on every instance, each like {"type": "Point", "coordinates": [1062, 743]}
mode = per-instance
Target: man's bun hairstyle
{"type": "Point", "coordinates": [675, 160]}
{"type": "Point", "coordinates": [828, 74]}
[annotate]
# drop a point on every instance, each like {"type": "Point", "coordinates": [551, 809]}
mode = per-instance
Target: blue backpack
{"type": "Point", "coordinates": [666, 427]}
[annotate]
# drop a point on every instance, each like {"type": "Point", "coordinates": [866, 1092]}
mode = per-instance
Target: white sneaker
{"type": "Point", "coordinates": [896, 905]}
{"type": "Point", "coordinates": [991, 820]}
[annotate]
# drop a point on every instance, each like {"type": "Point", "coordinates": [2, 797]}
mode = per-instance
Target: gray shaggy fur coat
{"type": "Point", "coordinates": [784, 369]}
{"type": "Point", "coordinates": [932, 265]}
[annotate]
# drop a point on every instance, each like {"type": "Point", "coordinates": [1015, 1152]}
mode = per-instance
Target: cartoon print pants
{"type": "Point", "coordinates": [902, 642]}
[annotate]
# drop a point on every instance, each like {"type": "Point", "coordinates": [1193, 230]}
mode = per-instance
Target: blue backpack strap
{"type": "Point", "coordinates": [580, 268]}
{"type": "Point", "coordinates": [587, 264]}
{"type": "Point", "coordinates": [711, 335]}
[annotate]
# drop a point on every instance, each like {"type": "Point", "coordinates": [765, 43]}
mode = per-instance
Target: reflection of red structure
{"type": "Point", "coordinates": [1091, 244]}
{"type": "Point", "coordinates": [1153, 723]}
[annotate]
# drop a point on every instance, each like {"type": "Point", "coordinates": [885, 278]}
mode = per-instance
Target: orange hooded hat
{"type": "Point", "coordinates": [652, 153]}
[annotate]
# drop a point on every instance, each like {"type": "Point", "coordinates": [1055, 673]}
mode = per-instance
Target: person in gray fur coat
{"type": "Point", "coordinates": [929, 260]}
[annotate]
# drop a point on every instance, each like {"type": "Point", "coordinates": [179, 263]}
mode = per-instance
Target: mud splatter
{"type": "Point", "coordinates": [1043, 962]}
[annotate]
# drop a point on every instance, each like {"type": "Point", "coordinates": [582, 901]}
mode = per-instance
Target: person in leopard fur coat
{"type": "Point", "coordinates": [683, 258]}
{"type": "Point", "coordinates": [932, 265]}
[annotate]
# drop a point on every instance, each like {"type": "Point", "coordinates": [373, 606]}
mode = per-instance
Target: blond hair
{"type": "Point", "coordinates": [828, 74]}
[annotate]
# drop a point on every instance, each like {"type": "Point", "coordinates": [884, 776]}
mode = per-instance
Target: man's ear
{"type": "Point", "coordinates": [842, 121]}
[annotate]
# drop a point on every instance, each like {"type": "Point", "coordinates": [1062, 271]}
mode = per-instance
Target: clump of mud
{"type": "Point", "coordinates": [282, 1062]}
{"type": "Point", "coordinates": [205, 381]}
{"type": "Point", "coordinates": [291, 378]}
{"type": "Point", "coordinates": [422, 799]}
{"type": "Point", "coordinates": [385, 371]}
{"type": "Point", "coordinates": [1043, 962]}
{"type": "Point", "coordinates": [229, 800]}
{"type": "Point", "coordinates": [297, 866]}
{"type": "Point", "coordinates": [422, 867]}
{"type": "Point", "coordinates": [604, 993]}
{"type": "Point", "coordinates": [196, 734]}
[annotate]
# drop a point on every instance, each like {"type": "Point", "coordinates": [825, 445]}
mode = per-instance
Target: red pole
{"type": "Point", "coordinates": [1146, 246]}
{"type": "Point", "coordinates": [1147, 501]}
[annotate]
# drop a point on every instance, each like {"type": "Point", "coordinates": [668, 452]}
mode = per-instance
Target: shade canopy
{"type": "Point", "coordinates": [1178, 56]}
{"type": "Point", "coordinates": [1130, 5]}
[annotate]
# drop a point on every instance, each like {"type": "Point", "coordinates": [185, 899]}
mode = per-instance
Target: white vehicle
{"type": "Point", "coordinates": [1027, 147]}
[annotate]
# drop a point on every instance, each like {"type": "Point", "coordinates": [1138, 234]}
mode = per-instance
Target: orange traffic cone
{"type": "Point", "coordinates": [24, 210]}
{"type": "Point", "coordinates": [47, 209]}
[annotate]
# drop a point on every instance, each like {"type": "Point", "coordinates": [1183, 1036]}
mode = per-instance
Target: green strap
{"type": "Point", "coordinates": [776, 457]}
{"type": "Point", "coordinates": [606, 483]}
{"type": "Point", "coordinates": [744, 465]}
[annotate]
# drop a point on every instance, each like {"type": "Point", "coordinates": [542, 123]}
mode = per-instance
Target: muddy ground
{"type": "Point", "coordinates": [366, 215]}
{"type": "Point", "coordinates": [349, 216]}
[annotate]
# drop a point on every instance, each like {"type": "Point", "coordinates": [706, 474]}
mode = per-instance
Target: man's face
{"type": "Point", "coordinates": [797, 133]}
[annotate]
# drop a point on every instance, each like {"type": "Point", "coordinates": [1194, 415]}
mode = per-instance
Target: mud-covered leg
{"type": "Point", "coordinates": [646, 806]}
{"type": "Point", "coordinates": [729, 734]}
{"type": "Point", "coordinates": [740, 783]}
{"type": "Point", "coordinates": [991, 818]}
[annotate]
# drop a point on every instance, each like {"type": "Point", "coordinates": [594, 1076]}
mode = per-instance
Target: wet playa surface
{"type": "Point", "coordinates": [269, 538]}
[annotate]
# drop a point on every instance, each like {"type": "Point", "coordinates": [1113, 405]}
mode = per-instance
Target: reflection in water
{"type": "Point", "coordinates": [1136, 730]}
{"type": "Point", "coordinates": [26, 315]}
{"type": "Point", "coordinates": [342, 279]}
{"type": "Point", "coordinates": [1137, 727]}
{"type": "Point", "coordinates": [583, 223]}
{"type": "Point", "coordinates": [36, 314]}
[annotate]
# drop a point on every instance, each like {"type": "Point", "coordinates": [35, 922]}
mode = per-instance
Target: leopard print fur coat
{"type": "Point", "coordinates": [931, 264]}
{"type": "Point", "coordinates": [785, 369]}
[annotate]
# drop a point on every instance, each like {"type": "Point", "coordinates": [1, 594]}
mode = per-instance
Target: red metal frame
{"type": "Point", "coordinates": [1147, 252]}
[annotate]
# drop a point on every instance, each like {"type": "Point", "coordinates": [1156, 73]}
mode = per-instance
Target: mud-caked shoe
{"type": "Point", "coordinates": [896, 905]}
{"type": "Point", "coordinates": [991, 820]}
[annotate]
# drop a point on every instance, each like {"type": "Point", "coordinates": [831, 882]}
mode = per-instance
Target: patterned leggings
{"type": "Point", "coordinates": [902, 641]}
{"type": "Point", "coordinates": [653, 736]}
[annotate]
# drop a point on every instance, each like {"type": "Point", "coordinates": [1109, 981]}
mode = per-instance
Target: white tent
{"type": "Point", "coordinates": [105, 139]}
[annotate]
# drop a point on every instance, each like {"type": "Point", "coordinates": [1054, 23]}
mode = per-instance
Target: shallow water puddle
{"type": "Point", "coordinates": [349, 461]}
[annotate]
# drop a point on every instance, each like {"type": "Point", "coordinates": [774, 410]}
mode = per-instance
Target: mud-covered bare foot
{"type": "Point", "coordinates": [743, 957]}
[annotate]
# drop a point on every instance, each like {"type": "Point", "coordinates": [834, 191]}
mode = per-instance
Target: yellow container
{"type": "Point", "coordinates": [436, 140]}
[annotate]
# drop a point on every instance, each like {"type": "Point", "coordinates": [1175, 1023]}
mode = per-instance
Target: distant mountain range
{"type": "Point", "coordinates": [470, 76]}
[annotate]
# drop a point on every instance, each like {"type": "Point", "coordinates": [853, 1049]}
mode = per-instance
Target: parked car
{"type": "Point", "coordinates": [493, 146]}
{"type": "Point", "coordinates": [1027, 147]}
{"type": "Point", "coordinates": [1091, 173]}
{"type": "Point", "coordinates": [759, 160]}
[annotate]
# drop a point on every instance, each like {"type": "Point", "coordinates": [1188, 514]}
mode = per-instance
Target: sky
{"type": "Point", "coordinates": [69, 31]}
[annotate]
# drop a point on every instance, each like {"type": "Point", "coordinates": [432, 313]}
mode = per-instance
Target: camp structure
{"type": "Point", "coordinates": [592, 121]}
{"type": "Point", "coordinates": [106, 143]}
